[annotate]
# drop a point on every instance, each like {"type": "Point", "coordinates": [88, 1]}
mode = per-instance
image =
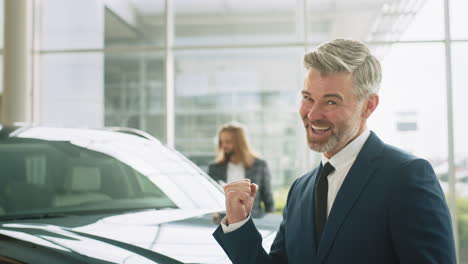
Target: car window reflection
{"type": "Point", "coordinates": [44, 176]}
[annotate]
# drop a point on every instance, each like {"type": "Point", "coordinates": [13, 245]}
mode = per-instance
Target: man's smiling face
{"type": "Point", "coordinates": [332, 114]}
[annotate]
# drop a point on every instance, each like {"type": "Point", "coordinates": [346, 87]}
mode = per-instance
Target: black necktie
{"type": "Point", "coordinates": [320, 200]}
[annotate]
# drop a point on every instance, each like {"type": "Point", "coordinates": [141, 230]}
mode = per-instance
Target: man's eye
{"type": "Point", "coordinates": [330, 102]}
{"type": "Point", "coordinates": [308, 98]}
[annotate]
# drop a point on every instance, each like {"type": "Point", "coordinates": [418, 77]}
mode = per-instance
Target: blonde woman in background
{"type": "Point", "coordinates": [235, 160]}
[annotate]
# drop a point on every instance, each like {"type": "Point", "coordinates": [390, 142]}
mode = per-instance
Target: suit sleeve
{"type": "Point", "coordinates": [420, 221]}
{"type": "Point", "coordinates": [266, 190]}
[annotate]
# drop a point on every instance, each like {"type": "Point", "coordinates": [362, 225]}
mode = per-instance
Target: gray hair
{"type": "Point", "coordinates": [343, 55]}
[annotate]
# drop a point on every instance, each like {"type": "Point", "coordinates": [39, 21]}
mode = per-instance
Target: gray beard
{"type": "Point", "coordinates": [327, 147]}
{"type": "Point", "coordinates": [332, 143]}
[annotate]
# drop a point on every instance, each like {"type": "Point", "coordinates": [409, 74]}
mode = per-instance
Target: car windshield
{"type": "Point", "coordinates": [39, 175]}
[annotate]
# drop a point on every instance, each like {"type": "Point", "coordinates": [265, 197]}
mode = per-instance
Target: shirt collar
{"type": "Point", "coordinates": [348, 153]}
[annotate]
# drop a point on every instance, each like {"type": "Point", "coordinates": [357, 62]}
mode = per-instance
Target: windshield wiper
{"type": "Point", "coordinates": [33, 216]}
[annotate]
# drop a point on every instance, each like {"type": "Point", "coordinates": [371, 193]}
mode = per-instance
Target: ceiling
{"type": "Point", "coordinates": [229, 21]}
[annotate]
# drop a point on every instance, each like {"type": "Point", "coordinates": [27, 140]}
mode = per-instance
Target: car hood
{"type": "Point", "coordinates": [138, 237]}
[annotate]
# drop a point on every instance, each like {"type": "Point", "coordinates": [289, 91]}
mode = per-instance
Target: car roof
{"type": "Point", "coordinates": [69, 134]}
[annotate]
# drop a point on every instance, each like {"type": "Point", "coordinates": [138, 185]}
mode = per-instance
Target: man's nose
{"type": "Point", "coordinates": [315, 112]}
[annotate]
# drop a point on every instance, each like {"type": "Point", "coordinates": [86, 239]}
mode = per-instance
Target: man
{"type": "Point", "coordinates": [367, 202]}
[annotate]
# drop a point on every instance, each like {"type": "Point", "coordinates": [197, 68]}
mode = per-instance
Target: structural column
{"type": "Point", "coordinates": [170, 110]}
{"type": "Point", "coordinates": [452, 201]}
{"type": "Point", "coordinates": [17, 62]}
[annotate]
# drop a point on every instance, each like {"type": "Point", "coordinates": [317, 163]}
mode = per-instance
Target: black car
{"type": "Point", "coordinates": [105, 196]}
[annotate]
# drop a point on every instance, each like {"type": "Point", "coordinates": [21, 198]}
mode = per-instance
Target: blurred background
{"type": "Point", "coordinates": [179, 69]}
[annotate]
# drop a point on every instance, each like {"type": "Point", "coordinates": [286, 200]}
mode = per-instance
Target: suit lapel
{"type": "Point", "coordinates": [355, 181]}
{"type": "Point", "coordinates": [308, 209]}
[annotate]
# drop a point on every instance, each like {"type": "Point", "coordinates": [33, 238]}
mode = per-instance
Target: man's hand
{"type": "Point", "coordinates": [240, 196]}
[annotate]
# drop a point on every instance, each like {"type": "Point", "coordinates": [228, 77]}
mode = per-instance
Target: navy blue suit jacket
{"type": "Point", "coordinates": [390, 209]}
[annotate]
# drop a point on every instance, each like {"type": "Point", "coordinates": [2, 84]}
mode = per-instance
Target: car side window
{"type": "Point", "coordinates": [59, 176]}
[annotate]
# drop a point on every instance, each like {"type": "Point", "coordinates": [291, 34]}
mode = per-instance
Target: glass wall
{"type": "Point", "coordinates": [134, 23]}
{"type": "Point", "coordinates": [460, 108]}
{"type": "Point", "coordinates": [459, 19]}
{"type": "Point", "coordinates": [90, 69]}
{"type": "Point", "coordinates": [62, 26]}
{"type": "Point", "coordinates": [71, 82]}
{"type": "Point", "coordinates": [72, 89]}
{"type": "Point", "coordinates": [257, 87]}
{"type": "Point", "coordinates": [236, 22]}
{"type": "Point", "coordinates": [134, 91]}
{"type": "Point", "coordinates": [428, 23]}
{"type": "Point", "coordinates": [242, 61]}
{"type": "Point", "coordinates": [412, 107]}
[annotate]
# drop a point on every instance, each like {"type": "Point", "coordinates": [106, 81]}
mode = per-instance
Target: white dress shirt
{"type": "Point", "coordinates": [341, 161]}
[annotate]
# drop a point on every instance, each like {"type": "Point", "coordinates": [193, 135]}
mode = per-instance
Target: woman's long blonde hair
{"type": "Point", "coordinates": [241, 145]}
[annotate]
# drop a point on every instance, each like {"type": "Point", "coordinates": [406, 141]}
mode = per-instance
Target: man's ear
{"type": "Point", "coordinates": [370, 104]}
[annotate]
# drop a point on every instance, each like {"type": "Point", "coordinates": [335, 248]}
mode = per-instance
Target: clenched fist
{"type": "Point", "coordinates": [240, 196]}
